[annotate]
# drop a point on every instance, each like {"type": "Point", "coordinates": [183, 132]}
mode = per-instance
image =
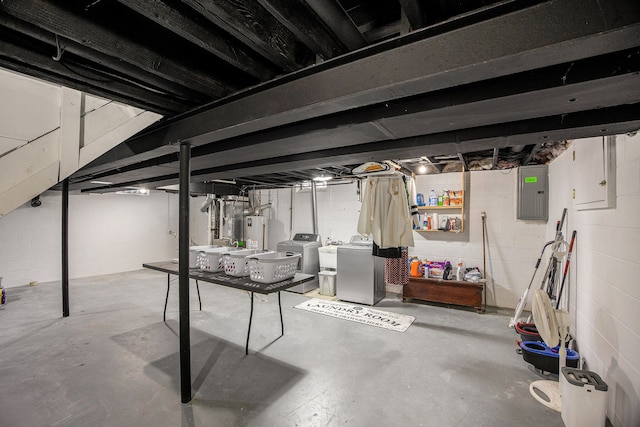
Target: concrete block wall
{"type": "Point", "coordinates": [605, 285]}
{"type": "Point", "coordinates": [512, 246]}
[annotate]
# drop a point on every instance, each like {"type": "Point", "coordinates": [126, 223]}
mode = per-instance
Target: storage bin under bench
{"type": "Point", "coordinates": [455, 292]}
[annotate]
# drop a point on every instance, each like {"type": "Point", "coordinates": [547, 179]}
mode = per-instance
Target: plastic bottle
{"type": "Point", "coordinates": [440, 200]}
{"type": "Point", "coordinates": [445, 197]}
{"type": "Point", "coordinates": [460, 271]}
{"type": "Point", "coordinates": [417, 270]}
{"type": "Point", "coordinates": [433, 199]}
{"type": "Point", "coordinates": [446, 275]}
{"type": "Point", "coordinates": [427, 268]}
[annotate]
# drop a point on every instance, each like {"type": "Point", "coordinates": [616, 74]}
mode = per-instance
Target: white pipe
{"type": "Point", "coordinates": [314, 207]}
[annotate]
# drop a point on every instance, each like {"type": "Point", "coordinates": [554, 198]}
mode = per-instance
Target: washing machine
{"type": "Point", "coordinates": [360, 274]}
{"type": "Point", "coordinates": [305, 244]}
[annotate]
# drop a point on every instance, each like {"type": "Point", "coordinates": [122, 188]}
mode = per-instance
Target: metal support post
{"type": "Point", "coordinates": [65, 248]}
{"type": "Point", "coordinates": [183, 257]}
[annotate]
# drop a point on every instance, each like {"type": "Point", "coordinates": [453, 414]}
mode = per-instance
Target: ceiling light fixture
{"type": "Point", "coordinates": [422, 168]}
{"type": "Point", "coordinates": [322, 178]}
{"type": "Point", "coordinates": [135, 192]}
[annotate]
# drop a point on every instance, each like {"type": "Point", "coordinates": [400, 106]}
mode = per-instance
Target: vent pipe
{"type": "Point", "coordinates": [314, 207]}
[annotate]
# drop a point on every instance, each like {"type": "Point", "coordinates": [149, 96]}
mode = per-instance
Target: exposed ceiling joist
{"type": "Point", "coordinates": [275, 91]}
{"type": "Point", "coordinates": [304, 23]}
{"type": "Point", "coordinates": [208, 37]}
{"type": "Point", "coordinates": [68, 25]}
{"type": "Point", "coordinates": [415, 13]}
{"type": "Point", "coordinates": [334, 16]}
{"type": "Point", "coordinates": [255, 27]}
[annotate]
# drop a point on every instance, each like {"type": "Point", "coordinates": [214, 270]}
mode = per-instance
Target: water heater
{"type": "Point", "coordinates": [255, 232]}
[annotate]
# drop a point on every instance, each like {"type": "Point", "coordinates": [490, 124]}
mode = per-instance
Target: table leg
{"type": "Point", "coordinates": [198, 289]}
{"type": "Point", "coordinates": [164, 314]}
{"type": "Point", "coordinates": [281, 321]}
{"type": "Point", "coordinates": [246, 348]}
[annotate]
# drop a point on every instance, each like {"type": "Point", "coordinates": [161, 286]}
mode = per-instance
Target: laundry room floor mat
{"type": "Point", "coordinates": [358, 313]}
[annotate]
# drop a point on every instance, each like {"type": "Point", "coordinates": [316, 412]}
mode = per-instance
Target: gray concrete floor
{"type": "Point", "coordinates": [114, 362]}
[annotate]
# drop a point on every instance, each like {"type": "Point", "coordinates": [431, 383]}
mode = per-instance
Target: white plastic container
{"type": "Point", "coordinates": [211, 259]}
{"type": "Point", "coordinates": [327, 281]}
{"type": "Point", "coordinates": [236, 263]}
{"type": "Point", "coordinates": [584, 398]}
{"type": "Point", "coordinates": [193, 254]}
{"type": "Point", "coordinates": [328, 256]}
{"type": "Point", "coordinates": [273, 266]}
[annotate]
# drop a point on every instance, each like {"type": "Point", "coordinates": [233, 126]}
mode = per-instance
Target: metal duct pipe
{"type": "Point", "coordinates": [208, 207]}
{"type": "Point", "coordinates": [314, 207]}
{"type": "Point", "coordinates": [204, 207]}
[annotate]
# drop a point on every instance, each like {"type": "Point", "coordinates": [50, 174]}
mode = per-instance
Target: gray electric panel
{"type": "Point", "coordinates": [533, 192]}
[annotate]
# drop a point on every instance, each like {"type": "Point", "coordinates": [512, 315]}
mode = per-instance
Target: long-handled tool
{"type": "Point", "coordinates": [566, 268]}
{"type": "Point", "coordinates": [522, 302]}
{"type": "Point", "coordinates": [523, 299]}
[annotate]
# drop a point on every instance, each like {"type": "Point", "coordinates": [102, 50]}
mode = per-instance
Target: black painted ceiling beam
{"type": "Point", "coordinates": [57, 20]}
{"type": "Point", "coordinates": [606, 121]}
{"type": "Point", "coordinates": [305, 25]}
{"type": "Point", "coordinates": [254, 26]}
{"type": "Point", "coordinates": [40, 66]}
{"type": "Point", "coordinates": [518, 42]}
{"type": "Point", "coordinates": [134, 75]}
{"type": "Point", "coordinates": [335, 17]}
{"type": "Point", "coordinates": [209, 38]}
{"type": "Point", "coordinates": [415, 13]}
{"type": "Point", "coordinates": [603, 81]}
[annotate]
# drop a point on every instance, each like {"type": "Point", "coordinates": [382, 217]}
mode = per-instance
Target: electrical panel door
{"type": "Point", "coordinates": [533, 192]}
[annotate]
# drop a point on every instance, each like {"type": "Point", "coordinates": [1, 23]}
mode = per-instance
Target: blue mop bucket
{"type": "Point", "coordinates": [546, 358]}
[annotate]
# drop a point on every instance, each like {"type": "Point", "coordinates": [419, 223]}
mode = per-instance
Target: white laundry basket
{"type": "Point", "coordinates": [193, 254]}
{"type": "Point", "coordinates": [211, 259]}
{"type": "Point", "coordinates": [236, 263]}
{"type": "Point", "coordinates": [273, 267]}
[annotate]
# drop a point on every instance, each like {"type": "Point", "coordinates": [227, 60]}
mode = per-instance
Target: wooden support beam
{"type": "Point", "coordinates": [250, 23]}
{"type": "Point", "coordinates": [209, 38]}
{"type": "Point", "coordinates": [59, 21]}
{"type": "Point", "coordinates": [41, 66]}
{"type": "Point", "coordinates": [304, 23]}
{"type": "Point", "coordinates": [414, 12]}
{"type": "Point", "coordinates": [335, 17]}
{"type": "Point", "coordinates": [135, 76]}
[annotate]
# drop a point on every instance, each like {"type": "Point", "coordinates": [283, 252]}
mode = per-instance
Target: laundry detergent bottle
{"type": "Point", "coordinates": [433, 199]}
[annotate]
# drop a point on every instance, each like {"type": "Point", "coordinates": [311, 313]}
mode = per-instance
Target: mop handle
{"type": "Point", "coordinates": [566, 268]}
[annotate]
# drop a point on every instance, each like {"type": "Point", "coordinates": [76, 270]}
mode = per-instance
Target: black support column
{"type": "Point", "coordinates": [183, 290]}
{"type": "Point", "coordinates": [65, 248]}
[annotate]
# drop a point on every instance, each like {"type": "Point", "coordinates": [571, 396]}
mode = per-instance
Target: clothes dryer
{"type": "Point", "coordinates": [307, 245]}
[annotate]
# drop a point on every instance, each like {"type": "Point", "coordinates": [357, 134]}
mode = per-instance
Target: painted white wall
{"type": "Point", "coordinates": [108, 233]}
{"type": "Point", "coordinates": [512, 246]}
{"type": "Point", "coordinates": [605, 279]}
{"type": "Point", "coordinates": [338, 210]}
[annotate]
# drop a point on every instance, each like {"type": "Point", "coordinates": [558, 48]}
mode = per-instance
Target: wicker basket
{"type": "Point", "coordinates": [273, 267]}
{"type": "Point", "coordinates": [236, 262]}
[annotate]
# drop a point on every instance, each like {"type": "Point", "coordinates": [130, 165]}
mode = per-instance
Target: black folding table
{"type": "Point", "coordinates": [242, 283]}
